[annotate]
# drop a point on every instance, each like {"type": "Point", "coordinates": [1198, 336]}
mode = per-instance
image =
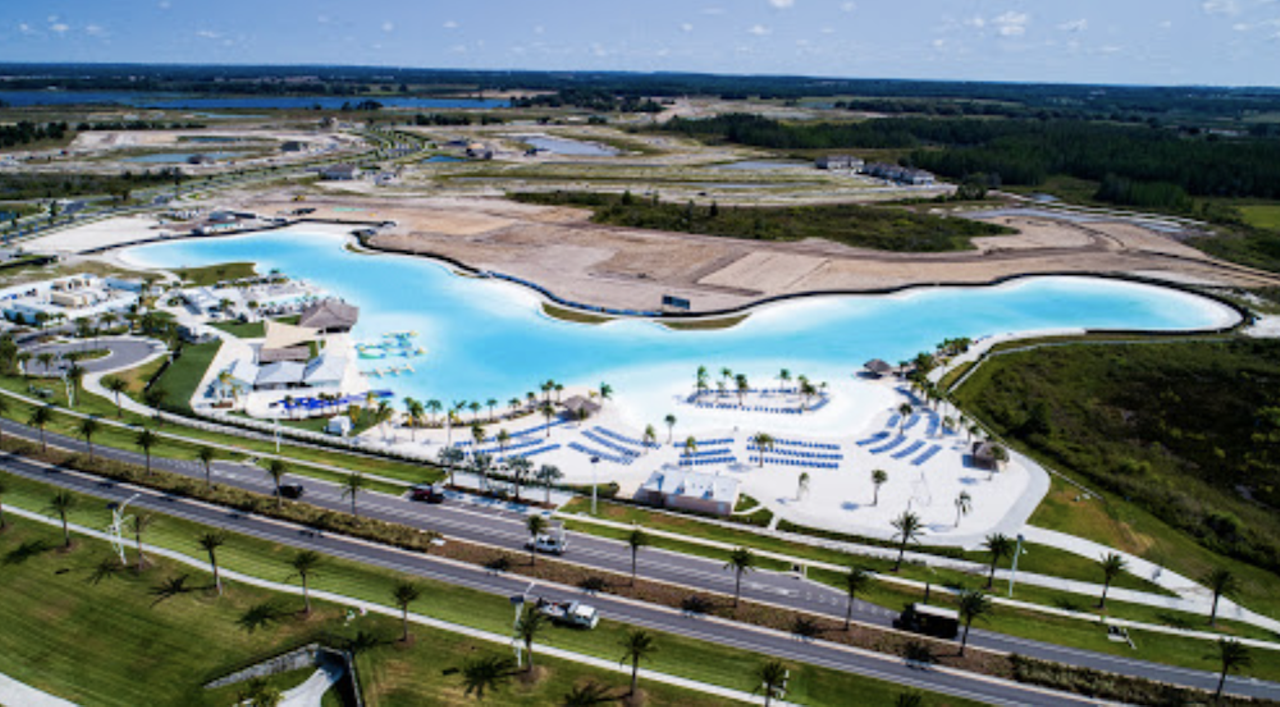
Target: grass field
{"type": "Point", "coordinates": [399, 680]}
{"type": "Point", "coordinates": [1170, 433]}
{"type": "Point", "coordinates": [1261, 215]}
{"type": "Point", "coordinates": [183, 376]}
{"type": "Point", "coordinates": [213, 274]}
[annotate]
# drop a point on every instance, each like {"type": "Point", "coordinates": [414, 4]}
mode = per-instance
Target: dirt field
{"type": "Point", "coordinates": [628, 268]}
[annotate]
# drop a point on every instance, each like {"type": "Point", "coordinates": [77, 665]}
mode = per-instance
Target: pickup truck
{"type": "Point", "coordinates": [570, 613]}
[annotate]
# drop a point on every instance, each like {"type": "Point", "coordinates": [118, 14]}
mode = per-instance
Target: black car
{"type": "Point", "coordinates": [429, 493]}
{"type": "Point", "coordinates": [291, 491]}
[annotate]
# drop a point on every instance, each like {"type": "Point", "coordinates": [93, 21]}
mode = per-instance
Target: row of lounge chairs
{"type": "Point", "coordinates": [623, 438]}
{"type": "Point", "coordinates": [686, 461]}
{"type": "Point", "coordinates": [807, 445]}
{"type": "Point", "coordinates": [798, 453]}
{"type": "Point", "coordinates": [624, 460]}
{"type": "Point", "coordinates": [806, 463]}
{"type": "Point", "coordinates": [605, 441]}
{"type": "Point", "coordinates": [532, 452]}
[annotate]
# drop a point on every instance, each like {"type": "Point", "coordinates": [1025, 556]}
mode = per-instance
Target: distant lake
{"type": "Point", "coordinates": [182, 157]}
{"type": "Point", "coordinates": [181, 102]}
{"type": "Point", "coordinates": [565, 146]}
{"type": "Point", "coordinates": [748, 165]}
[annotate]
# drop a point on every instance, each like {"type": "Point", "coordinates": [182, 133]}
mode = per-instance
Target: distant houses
{"type": "Point", "coordinates": [880, 170]}
{"type": "Point", "coordinates": [340, 173]}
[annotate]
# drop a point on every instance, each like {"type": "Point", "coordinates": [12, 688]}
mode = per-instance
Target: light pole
{"type": "Point", "coordinates": [1013, 570]}
{"type": "Point", "coordinates": [594, 461]}
{"type": "Point", "coordinates": [517, 602]}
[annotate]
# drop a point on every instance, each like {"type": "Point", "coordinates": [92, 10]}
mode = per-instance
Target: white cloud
{"type": "Point", "coordinates": [1011, 24]}
{"type": "Point", "coordinates": [783, 4]}
{"type": "Point", "coordinates": [686, 27]}
{"type": "Point", "coordinates": [53, 19]}
{"type": "Point", "coordinates": [1079, 25]}
{"type": "Point", "coordinates": [450, 24]}
{"type": "Point", "coordinates": [1242, 27]}
{"type": "Point", "coordinates": [207, 34]}
{"type": "Point", "coordinates": [388, 26]}
{"type": "Point", "coordinates": [59, 27]}
{"type": "Point", "coordinates": [758, 30]}
{"type": "Point", "coordinates": [1166, 24]}
{"type": "Point", "coordinates": [164, 4]}
{"type": "Point", "coordinates": [539, 29]}
{"type": "Point", "coordinates": [828, 30]}
{"type": "Point", "coordinates": [323, 19]}
{"type": "Point", "coordinates": [976, 22]}
{"type": "Point", "coordinates": [25, 28]}
{"type": "Point", "coordinates": [1220, 7]}
{"type": "Point", "coordinates": [939, 43]}
{"type": "Point", "coordinates": [713, 11]}
{"type": "Point", "coordinates": [848, 6]}
{"type": "Point", "coordinates": [95, 31]}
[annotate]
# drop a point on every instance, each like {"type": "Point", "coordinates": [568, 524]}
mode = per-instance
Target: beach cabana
{"type": "Point", "coordinates": [577, 405]}
{"type": "Point", "coordinates": [984, 456]}
{"type": "Point", "coordinates": [878, 368]}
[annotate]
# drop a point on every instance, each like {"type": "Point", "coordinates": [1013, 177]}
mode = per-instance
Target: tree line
{"type": "Point", "coordinates": [26, 132]}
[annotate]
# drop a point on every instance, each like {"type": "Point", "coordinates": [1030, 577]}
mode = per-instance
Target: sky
{"type": "Point", "coordinates": [1208, 42]}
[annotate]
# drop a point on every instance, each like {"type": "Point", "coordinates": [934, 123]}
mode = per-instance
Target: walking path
{"type": "Point", "coordinates": [311, 692]}
{"type": "Point", "coordinates": [17, 694]}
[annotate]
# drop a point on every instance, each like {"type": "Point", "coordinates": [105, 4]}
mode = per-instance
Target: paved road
{"type": "Point", "coordinates": [725, 633]}
{"type": "Point", "coordinates": [505, 528]}
{"type": "Point", "coordinates": [124, 353]}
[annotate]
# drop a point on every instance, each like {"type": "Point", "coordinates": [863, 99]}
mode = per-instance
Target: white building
{"type": "Point", "coordinates": [690, 490]}
{"type": "Point", "coordinates": [72, 297]}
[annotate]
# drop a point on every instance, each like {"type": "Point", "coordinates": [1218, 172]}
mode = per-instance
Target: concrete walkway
{"type": "Point", "coordinates": [17, 694]}
{"type": "Point", "coordinates": [311, 692]}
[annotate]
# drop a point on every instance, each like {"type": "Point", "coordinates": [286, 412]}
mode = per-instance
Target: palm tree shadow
{"type": "Point", "coordinates": [170, 588]}
{"type": "Point", "coordinates": [262, 615]}
{"type": "Point", "coordinates": [26, 551]}
{"type": "Point", "coordinates": [106, 568]}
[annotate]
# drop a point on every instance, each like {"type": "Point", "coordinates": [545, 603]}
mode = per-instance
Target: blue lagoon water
{"type": "Point", "coordinates": [487, 338]}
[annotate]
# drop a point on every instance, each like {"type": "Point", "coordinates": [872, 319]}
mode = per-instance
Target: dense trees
{"type": "Point", "coordinates": [1147, 166]}
{"type": "Point", "coordinates": [25, 132]}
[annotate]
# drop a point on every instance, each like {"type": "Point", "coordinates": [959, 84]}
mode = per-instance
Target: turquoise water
{"type": "Point", "coordinates": [486, 338]}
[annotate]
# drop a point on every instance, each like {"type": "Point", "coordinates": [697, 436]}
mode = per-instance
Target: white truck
{"type": "Point", "coordinates": [570, 613]}
{"type": "Point", "coordinates": [553, 543]}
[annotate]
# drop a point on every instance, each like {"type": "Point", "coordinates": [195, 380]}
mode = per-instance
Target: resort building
{"type": "Point", "coordinates": [330, 316]}
{"type": "Point", "coordinates": [340, 173]}
{"type": "Point", "coordinates": [839, 162]}
{"type": "Point", "coordinates": [72, 297]}
{"type": "Point", "coordinates": [691, 491]}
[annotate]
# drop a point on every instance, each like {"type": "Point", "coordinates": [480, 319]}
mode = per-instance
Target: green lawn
{"type": "Point", "coordinates": [213, 274]}
{"type": "Point", "coordinates": [712, 663]}
{"type": "Point", "coordinates": [1261, 215]}
{"type": "Point", "coordinates": [183, 376]}
{"type": "Point", "coordinates": [242, 330]}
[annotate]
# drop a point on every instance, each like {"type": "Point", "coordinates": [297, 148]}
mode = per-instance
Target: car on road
{"type": "Point", "coordinates": [427, 493]}
{"type": "Point", "coordinates": [291, 491]}
{"type": "Point", "coordinates": [554, 543]}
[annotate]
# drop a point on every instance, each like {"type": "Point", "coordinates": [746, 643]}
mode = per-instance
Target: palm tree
{"type": "Point", "coordinates": [740, 382]}
{"type": "Point", "coordinates": [528, 627]}
{"type": "Point", "coordinates": [405, 593]}
{"type": "Point", "coordinates": [474, 407]}
{"type": "Point", "coordinates": [116, 386]}
{"type": "Point", "coordinates": [75, 374]}
{"type": "Point", "coordinates": [909, 528]}
{"type": "Point", "coordinates": [1233, 656]}
{"type": "Point", "coordinates": [61, 503]}
{"type": "Point", "coordinates": [276, 469]}
{"type": "Point", "coordinates": [606, 391]}
{"type": "Point", "coordinates": [1111, 564]}
{"type": "Point", "coordinates": [783, 377]}
{"type": "Point", "coordinates": [139, 525]}
{"type": "Point", "coordinates": [588, 694]}
{"type": "Point", "coordinates": [520, 468]}
{"type": "Point", "coordinates": [650, 437]}
{"type": "Point", "coordinates": [772, 676]}
{"type": "Point", "coordinates": [504, 438]}
{"type": "Point", "coordinates": [145, 440]}
{"type": "Point", "coordinates": [725, 374]}
{"type": "Point", "coordinates": [637, 645]}
{"type": "Point", "coordinates": [478, 435]}
{"type": "Point", "coordinates": [548, 474]}
{"type": "Point", "coordinates": [515, 405]}
{"type": "Point", "coordinates": [690, 446]}
{"type": "Point", "coordinates": [414, 410]}
{"type": "Point", "coordinates": [548, 412]}
{"type": "Point", "coordinates": [485, 673]}
{"type": "Point", "coordinates": [802, 487]}
{"type": "Point", "coordinates": [40, 417]}
{"type": "Point", "coordinates": [491, 403]}
{"type": "Point", "coordinates": [434, 407]}
{"type": "Point", "coordinates": [763, 442]}
{"type": "Point", "coordinates": [210, 542]}
{"type": "Point", "coordinates": [878, 478]}
{"type": "Point", "coordinates": [971, 604]}
{"type": "Point", "coordinates": [46, 360]}
{"type": "Point", "coordinates": [351, 485]}
{"type": "Point", "coordinates": [856, 580]}
{"type": "Point", "coordinates": [636, 539]}
{"type": "Point", "coordinates": [1222, 582]}
{"type": "Point", "coordinates": [964, 504]}
{"type": "Point", "coordinates": [480, 464]}
{"type": "Point", "coordinates": [536, 524]}
{"type": "Point", "coordinates": [904, 411]}
{"type": "Point", "coordinates": [88, 428]}
{"type": "Point", "coordinates": [305, 563]}
{"type": "Point", "coordinates": [741, 561]}
{"type": "Point", "coordinates": [806, 391]}
{"type": "Point", "coordinates": [206, 456]}
{"type": "Point", "coordinates": [1000, 546]}
{"type": "Point", "coordinates": [670, 420]}
{"type": "Point", "coordinates": [559, 388]}
{"type": "Point", "coordinates": [450, 457]}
